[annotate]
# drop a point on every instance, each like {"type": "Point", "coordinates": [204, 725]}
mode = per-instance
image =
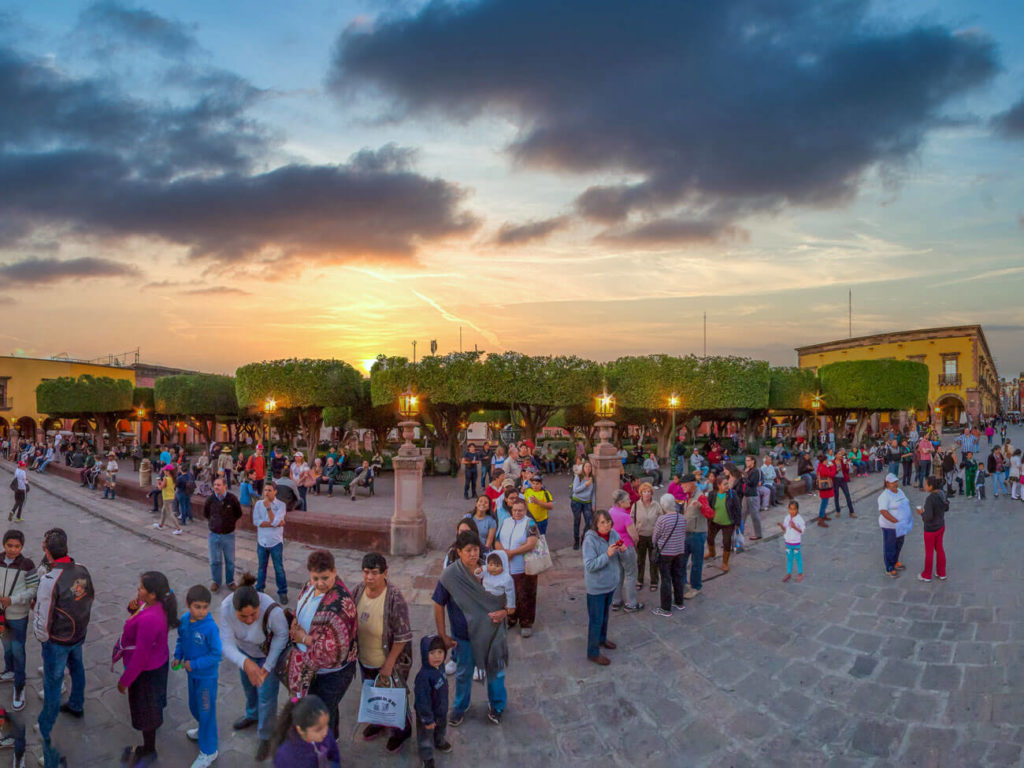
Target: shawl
{"type": "Point", "coordinates": [332, 640]}
{"type": "Point", "coordinates": [488, 639]}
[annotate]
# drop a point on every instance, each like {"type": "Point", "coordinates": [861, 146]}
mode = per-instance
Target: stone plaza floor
{"type": "Point", "coordinates": [847, 668]}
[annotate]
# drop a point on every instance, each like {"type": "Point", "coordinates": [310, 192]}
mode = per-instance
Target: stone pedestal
{"type": "Point", "coordinates": [145, 473]}
{"type": "Point", "coordinates": [409, 524]}
{"type": "Point", "coordinates": [607, 467]}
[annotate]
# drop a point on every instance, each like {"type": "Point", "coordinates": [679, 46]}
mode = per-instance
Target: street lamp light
{"type": "Point", "coordinates": [605, 405]}
{"type": "Point", "coordinates": [140, 413]}
{"type": "Point", "coordinates": [673, 404]}
{"type": "Point", "coordinates": [269, 405]}
{"type": "Point", "coordinates": [408, 409]}
{"type": "Point", "coordinates": [510, 434]}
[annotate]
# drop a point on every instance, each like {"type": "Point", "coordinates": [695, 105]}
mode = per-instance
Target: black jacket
{"type": "Point", "coordinates": [222, 515]}
{"type": "Point", "coordinates": [934, 516]}
{"type": "Point", "coordinates": [431, 688]}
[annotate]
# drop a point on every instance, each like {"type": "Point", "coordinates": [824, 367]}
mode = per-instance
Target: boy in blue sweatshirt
{"type": "Point", "coordinates": [431, 700]}
{"type": "Point", "coordinates": [199, 651]}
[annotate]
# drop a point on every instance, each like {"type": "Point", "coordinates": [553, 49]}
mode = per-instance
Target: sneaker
{"type": "Point", "coordinates": [616, 606]}
{"type": "Point", "coordinates": [18, 703]}
{"type": "Point", "coordinates": [659, 612]}
{"type": "Point", "coordinates": [942, 578]}
{"type": "Point", "coordinates": [900, 566]}
{"type": "Point", "coordinates": [232, 586]}
{"type": "Point", "coordinates": [679, 607]}
{"type": "Point", "coordinates": [282, 599]}
{"type": "Point", "coordinates": [263, 750]}
{"type": "Point", "coordinates": [526, 631]}
{"type": "Point", "coordinates": [922, 578]}
{"type": "Point", "coordinates": [67, 710]}
{"type": "Point", "coordinates": [633, 608]}
{"type": "Point", "coordinates": [494, 716]}
{"type": "Point", "coordinates": [193, 733]}
{"type": "Point", "coordinates": [799, 577]}
{"type": "Point", "coordinates": [214, 586]}
{"type": "Point", "coordinates": [204, 760]}
{"type": "Point", "coordinates": [689, 593]}
{"type": "Point", "coordinates": [371, 732]}
{"type": "Point", "coordinates": [455, 720]}
{"type": "Point", "coordinates": [6, 677]}
{"type": "Point", "coordinates": [19, 762]}
{"type": "Point", "coordinates": [244, 722]}
{"type": "Point", "coordinates": [478, 674]}
{"type": "Point", "coordinates": [177, 531]}
{"type": "Point", "coordinates": [7, 742]}
{"type": "Point", "coordinates": [445, 747]}
{"type": "Point", "coordinates": [158, 526]}
{"type": "Point", "coordinates": [450, 667]}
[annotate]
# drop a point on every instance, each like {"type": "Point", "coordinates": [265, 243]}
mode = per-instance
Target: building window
{"type": "Point", "coordinates": [949, 366]}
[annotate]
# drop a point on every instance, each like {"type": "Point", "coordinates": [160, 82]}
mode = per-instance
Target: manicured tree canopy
{"type": "Point", "coordinates": [380, 419]}
{"type": "Point", "coordinates": [199, 398]}
{"type": "Point", "coordinates": [303, 386]}
{"type": "Point", "coordinates": [102, 400]}
{"type": "Point", "coordinates": [791, 388]}
{"type": "Point", "coordinates": [143, 397]}
{"type": "Point", "coordinates": [863, 387]}
{"type": "Point", "coordinates": [538, 386]}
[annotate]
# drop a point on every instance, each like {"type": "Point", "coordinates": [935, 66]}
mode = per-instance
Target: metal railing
{"type": "Point", "coordinates": [950, 380]}
{"type": "Point", "coordinates": [6, 403]}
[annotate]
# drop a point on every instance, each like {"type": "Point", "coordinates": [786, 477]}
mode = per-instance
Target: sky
{"type": "Point", "coordinates": [217, 183]}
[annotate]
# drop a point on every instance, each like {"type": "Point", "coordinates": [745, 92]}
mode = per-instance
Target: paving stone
{"type": "Point", "coordinates": [1003, 754]}
{"type": "Point", "coordinates": [941, 677]}
{"type": "Point", "coordinates": [879, 739]}
{"type": "Point", "coordinates": [918, 706]}
{"type": "Point", "coordinates": [864, 642]}
{"type": "Point", "coordinates": [936, 652]}
{"type": "Point", "coordinates": [863, 666]}
{"type": "Point", "coordinates": [899, 673]}
{"type": "Point", "coordinates": [926, 746]}
{"type": "Point", "coordinates": [973, 653]}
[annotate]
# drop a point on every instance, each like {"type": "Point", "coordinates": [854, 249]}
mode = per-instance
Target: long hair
{"type": "Point", "coordinates": [303, 713]}
{"type": "Point", "coordinates": [155, 583]}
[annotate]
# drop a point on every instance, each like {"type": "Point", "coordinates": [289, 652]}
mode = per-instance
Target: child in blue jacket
{"type": "Point", "coordinates": [431, 700]}
{"type": "Point", "coordinates": [199, 651]}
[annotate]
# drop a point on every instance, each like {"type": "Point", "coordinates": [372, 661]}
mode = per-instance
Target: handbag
{"type": "Point", "coordinates": [14, 483]}
{"type": "Point", "coordinates": [657, 547]}
{"type": "Point", "coordinates": [383, 702]}
{"type": "Point", "coordinates": [538, 559]}
{"type": "Point", "coordinates": [824, 483]}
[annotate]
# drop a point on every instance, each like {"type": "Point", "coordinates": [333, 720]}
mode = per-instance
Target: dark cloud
{"type": "Point", "coordinates": [515, 234]}
{"type": "Point", "coordinates": [108, 25]}
{"type": "Point", "coordinates": [739, 104]}
{"type": "Point", "coordinates": [1010, 124]}
{"type": "Point", "coordinates": [81, 158]}
{"type": "Point", "coordinates": [36, 271]}
{"type": "Point", "coordinates": [664, 231]}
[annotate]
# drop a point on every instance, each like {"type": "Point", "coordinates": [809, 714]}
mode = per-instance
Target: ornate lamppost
{"type": "Point", "coordinates": [605, 458]}
{"type": "Point", "coordinates": [408, 409]}
{"type": "Point", "coordinates": [408, 524]}
{"type": "Point", "coordinates": [269, 406]}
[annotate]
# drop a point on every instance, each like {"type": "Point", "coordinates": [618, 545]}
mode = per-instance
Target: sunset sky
{"type": "Point", "coordinates": [220, 182]}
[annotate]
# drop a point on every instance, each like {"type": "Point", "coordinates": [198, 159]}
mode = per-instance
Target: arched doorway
{"type": "Point", "coordinates": [53, 425]}
{"type": "Point", "coordinates": [26, 428]}
{"type": "Point", "coordinates": [948, 410]}
{"type": "Point", "coordinates": [81, 427]}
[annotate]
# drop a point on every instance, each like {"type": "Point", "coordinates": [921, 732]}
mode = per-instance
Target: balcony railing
{"type": "Point", "coordinates": [6, 403]}
{"type": "Point", "coordinates": [950, 380]}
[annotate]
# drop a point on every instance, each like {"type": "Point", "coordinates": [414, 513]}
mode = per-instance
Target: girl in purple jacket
{"type": "Point", "coordinates": [302, 736]}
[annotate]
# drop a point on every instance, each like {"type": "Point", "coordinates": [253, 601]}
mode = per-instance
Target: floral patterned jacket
{"type": "Point", "coordinates": [332, 638]}
{"type": "Point", "coordinates": [396, 627]}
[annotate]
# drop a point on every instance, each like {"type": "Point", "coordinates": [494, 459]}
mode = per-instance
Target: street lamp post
{"type": "Point", "coordinates": [408, 523]}
{"type": "Point", "coordinates": [605, 459]}
{"type": "Point", "coordinates": [269, 406]}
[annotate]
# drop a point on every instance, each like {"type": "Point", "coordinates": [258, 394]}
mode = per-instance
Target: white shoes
{"type": "Point", "coordinates": [177, 532]}
{"type": "Point", "coordinates": [18, 703]}
{"type": "Point", "coordinates": [450, 667]}
{"type": "Point", "coordinates": [478, 674]}
{"type": "Point", "coordinates": [204, 761]}
{"type": "Point", "coordinates": [6, 677]}
{"type": "Point", "coordinates": [193, 733]}
{"type": "Point", "coordinates": [157, 526]}
{"type": "Point", "coordinates": [19, 762]}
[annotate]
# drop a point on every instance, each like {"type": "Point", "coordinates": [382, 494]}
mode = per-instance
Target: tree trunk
{"type": "Point", "coordinates": [863, 419]}
{"type": "Point", "coordinates": [101, 427]}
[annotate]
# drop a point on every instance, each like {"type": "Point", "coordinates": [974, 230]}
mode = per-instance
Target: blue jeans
{"type": "Point", "coordinates": [793, 555]}
{"type": "Point", "coordinates": [222, 550]}
{"type": "Point", "coordinates": [275, 553]}
{"type": "Point", "coordinates": [55, 659]}
{"type": "Point", "coordinates": [202, 703]}
{"type": "Point", "coordinates": [695, 550]}
{"type": "Point", "coordinates": [496, 695]}
{"type": "Point", "coordinates": [302, 497]}
{"type": "Point", "coordinates": [108, 493]}
{"type": "Point", "coordinates": [823, 507]}
{"type": "Point", "coordinates": [184, 502]}
{"type": "Point", "coordinates": [485, 475]}
{"type": "Point", "coordinates": [893, 468]}
{"type": "Point", "coordinates": [42, 467]}
{"type": "Point", "coordinates": [582, 509]}
{"type": "Point", "coordinates": [470, 484]}
{"type": "Point", "coordinates": [598, 608]}
{"type": "Point", "coordinates": [261, 703]}
{"type": "Point", "coordinates": [998, 484]}
{"type": "Point", "coordinates": [14, 650]}
{"type": "Point", "coordinates": [892, 545]}
{"type": "Point", "coordinates": [542, 526]}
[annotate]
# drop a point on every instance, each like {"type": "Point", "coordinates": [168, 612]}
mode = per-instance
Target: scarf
{"type": "Point", "coordinates": [487, 638]}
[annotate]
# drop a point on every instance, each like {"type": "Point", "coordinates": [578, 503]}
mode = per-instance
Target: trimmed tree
{"type": "Point", "coordinates": [98, 400]}
{"type": "Point", "coordinates": [302, 387]}
{"type": "Point", "coordinates": [863, 387]}
{"type": "Point", "coordinates": [537, 386]}
{"type": "Point", "coordinates": [791, 390]}
{"type": "Point", "coordinates": [198, 399]}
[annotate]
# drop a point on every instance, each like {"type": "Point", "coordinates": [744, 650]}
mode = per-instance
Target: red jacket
{"type": "Point", "coordinates": [825, 471]}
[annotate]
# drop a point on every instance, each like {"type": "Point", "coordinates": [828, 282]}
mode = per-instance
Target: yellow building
{"type": "Point", "coordinates": [962, 373]}
{"type": "Point", "coordinates": [19, 377]}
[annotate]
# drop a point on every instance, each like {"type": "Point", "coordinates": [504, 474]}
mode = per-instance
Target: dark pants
{"type": "Point", "coordinates": [427, 739]}
{"type": "Point", "coordinates": [672, 580]}
{"type": "Point", "coordinates": [485, 475]}
{"type": "Point", "coordinates": [155, 496]}
{"type": "Point", "coordinates": [842, 485]}
{"type": "Point", "coordinates": [331, 689]}
{"type": "Point", "coordinates": [584, 510]}
{"type": "Point", "coordinates": [330, 485]}
{"type": "Point", "coordinates": [924, 469]}
{"type": "Point", "coordinates": [908, 468]}
{"type": "Point", "coordinates": [714, 528]}
{"type": "Point", "coordinates": [695, 552]}
{"type": "Point", "coordinates": [526, 600]}
{"type": "Point", "coordinates": [19, 503]}
{"type": "Point", "coordinates": [892, 545]}
{"type": "Point", "coordinates": [645, 553]}
{"type": "Point", "coordinates": [598, 608]}
{"type": "Point", "coordinates": [470, 484]}
{"type": "Point", "coordinates": [17, 629]}
{"type": "Point", "coordinates": [302, 497]}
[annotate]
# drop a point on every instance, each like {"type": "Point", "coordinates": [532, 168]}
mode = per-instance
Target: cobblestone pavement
{"type": "Point", "coordinates": [848, 668]}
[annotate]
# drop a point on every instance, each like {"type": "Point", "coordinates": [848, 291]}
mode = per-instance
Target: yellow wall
{"type": "Point", "coordinates": [932, 350]}
{"type": "Point", "coordinates": [25, 373]}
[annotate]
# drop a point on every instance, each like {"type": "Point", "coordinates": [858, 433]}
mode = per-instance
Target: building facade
{"type": "Point", "coordinates": [962, 377]}
{"type": "Point", "coordinates": [19, 377]}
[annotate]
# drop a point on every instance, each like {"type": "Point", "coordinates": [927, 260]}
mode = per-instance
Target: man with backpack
{"type": "Point", "coordinates": [60, 621]}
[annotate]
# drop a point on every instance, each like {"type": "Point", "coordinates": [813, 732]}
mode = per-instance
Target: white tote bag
{"type": "Point", "coordinates": [382, 705]}
{"type": "Point", "coordinates": [538, 559]}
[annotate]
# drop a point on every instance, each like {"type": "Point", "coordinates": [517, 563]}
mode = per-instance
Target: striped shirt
{"type": "Point", "coordinates": [670, 542]}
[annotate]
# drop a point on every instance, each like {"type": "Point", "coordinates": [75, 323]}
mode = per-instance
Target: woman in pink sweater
{"type": "Point", "coordinates": [143, 648]}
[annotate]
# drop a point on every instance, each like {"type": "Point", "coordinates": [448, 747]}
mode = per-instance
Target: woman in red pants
{"type": "Point", "coordinates": [934, 515]}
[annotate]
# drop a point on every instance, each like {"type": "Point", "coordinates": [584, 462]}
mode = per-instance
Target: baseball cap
{"type": "Point", "coordinates": [891, 478]}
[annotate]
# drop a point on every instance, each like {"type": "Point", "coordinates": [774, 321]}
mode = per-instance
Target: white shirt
{"type": "Point", "coordinates": [269, 537]}
{"type": "Point", "coordinates": [768, 473]}
{"type": "Point", "coordinates": [891, 502]}
{"type": "Point", "coordinates": [297, 470]}
{"type": "Point", "coordinates": [794, 528]}
{"type": "Point", "coordinates": [22, 478]}
{"type": "Point", "coordinates": [512, 536]}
